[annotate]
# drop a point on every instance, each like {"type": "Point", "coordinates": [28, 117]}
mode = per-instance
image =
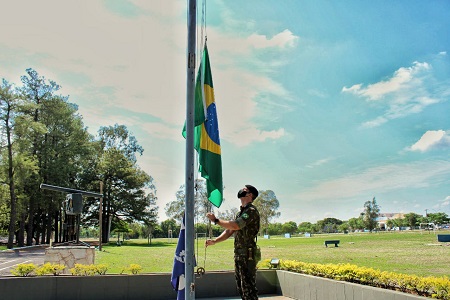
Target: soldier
{"type": "Point", "coordinates": [246, 227]}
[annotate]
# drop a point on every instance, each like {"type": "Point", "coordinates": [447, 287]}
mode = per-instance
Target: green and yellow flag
{"type": "Point", "coordinates": [206, 132]}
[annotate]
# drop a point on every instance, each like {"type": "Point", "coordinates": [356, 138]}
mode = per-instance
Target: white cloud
{"type": "Point", "coordinates": [162, 131]}
{"type": "Point", "coordinates": [432, 139]}
{"type": "Point", "coordinates": [254, 135]}
{"type": "Point", "coordinates": [442, 205]}
{"type": "Point", "coordinates": [407, 92]}
{"type": "Point", "coordinates": [355, 89]}
{"type": "Point", "coordinates": [379, 180]}
{"type": "Point", "coordinates": [237, 88]}
{"type": "Point", "coordinates": [317, 93]}
{"type": "Point", "coordinates": [284, 39]}
{"type": "Point", "coordinates": [400, 81]}
{"type": "Point", "coordinates": [137, 64]}
{"type": "Point", "coordinates": [114, 54]}
{"type": "Point", "coordinates": [235, 93]}
{"type": "Point", "coordinates": [319, 162]}
{"type": "Point", "coordinates": [375, 122]}
{"type": "Point", "coordinates": [446, 201]}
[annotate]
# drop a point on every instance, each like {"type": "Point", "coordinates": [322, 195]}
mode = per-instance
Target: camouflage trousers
{"type": "Point", "coordinates": [245, 274]}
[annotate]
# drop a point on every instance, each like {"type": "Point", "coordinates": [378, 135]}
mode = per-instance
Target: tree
{"type": "Point", "coordinates": [129, 192]}
{"type": "Point", "coordinates": [305, 227]}
{"type": "Point", "coordinates": [65, 144]}
{"type": "Point", "coordinates": [175, 209]}
{"type": "Point", "coordinates": [8, 102]}
{"type": "Point", "coordinates": [157, 232]}
{"type": "Point", "coordinates": [137, 230]}
{"type": "Point", "coordinates": [371, 211]}
{"type": "Point", "coordinates": [170, 225]}
{"type": "Point", "coordinates": [49, 143]}
{"type": "Point", "coordinates": [289, 227]}
{"type": "Point", "coordinates": [15, 164]}
{"type": "Point", "coordinates": [38, 91]}
{"type": "Point", "coordinates": [438, 218]}
{"type": "Point", "coordinates": [399, 222]}
{"type": "Point", "coordinates": [228, 214]}
{"type": "Point", "coordinates": [329, 225]}
{"type": "Point", "coordinates": [202, 205]}
{"type": "Point", "coordinates": [411, 219]}
{"type": "Point", "coordinates": [122, 227]}
{"type": "Point", "coordinates": [356, 223]}
{"type": "Point", "coordinates": [4, 210]}
{"type": "Point", "coordinates": [267, 205]}
{"type": "Point", "coordinates": [275, 229]}
{"type": "Point", "coordinates": [117, 137]}
{"type": "Point", "coordinates": [344, 227]}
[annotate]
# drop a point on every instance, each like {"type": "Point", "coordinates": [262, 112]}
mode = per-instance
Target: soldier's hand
{"type": "Point", "coordinates": [211, 217]}
{"type": "Point", "coordinates": [209, 242]}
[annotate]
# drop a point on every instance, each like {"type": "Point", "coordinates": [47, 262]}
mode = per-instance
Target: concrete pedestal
{"type": "Point", "coordinates": [69, 256]}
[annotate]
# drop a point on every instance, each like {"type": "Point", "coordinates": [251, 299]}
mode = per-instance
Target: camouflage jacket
{"type": "Point", "coordinates": [248, 222]}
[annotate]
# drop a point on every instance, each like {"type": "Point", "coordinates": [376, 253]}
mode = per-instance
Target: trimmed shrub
{"type": "Point", "coordinates": [132, 268]}
{"type": "Point", "coordinates": [24, 270]}
{"type": "Point", "coordinates": [48, 268]}
{"type": "Point", "coordinates": [434, 287]}
{"type": "Point", "coordinates": [101, 269]}
{"type": "Point", "coordinates": [83, 270]}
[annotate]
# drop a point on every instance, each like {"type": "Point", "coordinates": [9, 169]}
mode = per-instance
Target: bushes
{"type": "Point", "coordinates": [25, 270]}
{"type": "Point", "coordinates": [89, 270]}
{"type": "Point", "coordinates": [133, 269]}
{"type": "Point", "coordinates": [434, 287]}
{"type": "Point", "coordinates": [49, 268]}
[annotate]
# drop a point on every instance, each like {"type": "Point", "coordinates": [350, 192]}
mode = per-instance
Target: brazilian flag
{"type": "Point", "coordinates": [206, 132]}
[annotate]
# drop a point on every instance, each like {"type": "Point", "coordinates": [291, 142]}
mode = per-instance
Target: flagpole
{"type": "Point", "coordinates": [189, 176]}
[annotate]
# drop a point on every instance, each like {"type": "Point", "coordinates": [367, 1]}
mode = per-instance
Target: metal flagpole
{"type": "Point", "coordinates": [189, 176]}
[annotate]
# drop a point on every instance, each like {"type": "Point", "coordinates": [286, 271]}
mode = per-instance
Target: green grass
{"type": "Point", "coordinates": [402, 252]}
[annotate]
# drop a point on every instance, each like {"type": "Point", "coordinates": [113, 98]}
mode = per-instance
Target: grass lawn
{"type": "Point", "coordinates": [402, 252]}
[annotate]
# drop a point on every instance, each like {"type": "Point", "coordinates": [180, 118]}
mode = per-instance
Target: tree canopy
{"type": "Point", "coordinates": [267, 205]}
{"type": "Point", "coordinates": [370, 215]}
{"type": "Point", "coordinates": [44, 140]}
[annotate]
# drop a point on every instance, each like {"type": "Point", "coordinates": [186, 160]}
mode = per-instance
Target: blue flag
{"type": "Point", "coordinates": [178, 280]}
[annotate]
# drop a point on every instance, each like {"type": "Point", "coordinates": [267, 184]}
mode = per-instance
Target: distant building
{"type": "Point", "coordinates": [384, 217]}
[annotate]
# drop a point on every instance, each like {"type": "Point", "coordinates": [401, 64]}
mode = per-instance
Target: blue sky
{"type": "Point", "coordinates": [327, 103]}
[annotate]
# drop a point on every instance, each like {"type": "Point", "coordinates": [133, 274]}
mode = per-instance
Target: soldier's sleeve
{"type": "Point", "coordinates": [249, 216]}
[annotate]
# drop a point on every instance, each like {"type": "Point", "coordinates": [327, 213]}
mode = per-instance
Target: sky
{"type": "Point", "coordinates": [327, 103]}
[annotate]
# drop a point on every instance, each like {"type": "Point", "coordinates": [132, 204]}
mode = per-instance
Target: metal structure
{"type": "Point", "coordinates": [189, 172]}
{"type": "Point", "coordinates": [69, 190]}
{"type": "Point", "coordinates": [73, 206]}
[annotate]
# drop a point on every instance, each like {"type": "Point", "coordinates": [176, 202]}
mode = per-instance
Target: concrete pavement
{"type": "Point", "coordinates": [11, 258]}
{"type": "Point", "coordinates": [266, 297]}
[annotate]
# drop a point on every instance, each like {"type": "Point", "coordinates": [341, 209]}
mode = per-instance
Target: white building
{"type": "Point", "coordinates": [384, 217]}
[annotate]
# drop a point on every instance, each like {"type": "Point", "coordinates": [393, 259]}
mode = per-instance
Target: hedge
{"type": "Point", "coordinates": [434, 287]}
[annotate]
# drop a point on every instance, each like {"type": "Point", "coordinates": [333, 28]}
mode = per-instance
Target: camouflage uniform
{"type": "Point", "coordinates": [244, 252]}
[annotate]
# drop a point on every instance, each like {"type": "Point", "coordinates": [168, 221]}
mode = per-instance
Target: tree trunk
{"type": "Point", "coordinates": [43, 227]}
{"type": "Point", "coordinates": [49, 228]}
{"type": "Point", "coordinates": [55, 240]}
{"type": "Point", "coordinates": [61, 226]}
{"type": "Point", "coordinates": [12, 192]}
{"type": "Point", "coordinates": [30, 228]}
{"type": "Point", "coordinates": [21, 234]}
{"type": "Point", "coordinates": [105, 220]}
{"type": "Point", "coordinates": [36, 230]}
{"type": "Point", "coordinates": [13, 216]}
